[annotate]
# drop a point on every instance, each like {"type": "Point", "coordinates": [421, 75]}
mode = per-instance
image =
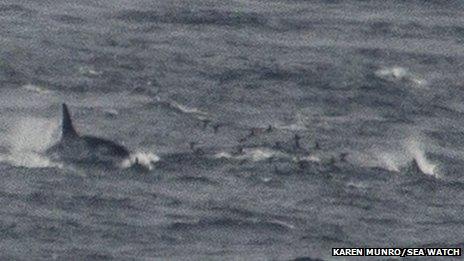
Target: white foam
{"type": "Point", "coordinates": [308, 158]}
{"type": "Point", "coordinates": [201, 115]}
{"type": "Point", "coordinates": [112, 112]}
{"type": "Point", "coordinates": [284, 224]}
{"type": "Point", "coordinates": [398, 73]}
{"type": "Point", "coordinates": [358, 185]}
{"type": "Point", "coordinates": [260, 154]}
{"type": "Point", "coordinates": [85, 70]}
{"type": "Point", "coordinates": [253, 154]}
{"type": "Point", "coordinates": [292, 127]}
{"type": "Point", "coordinates": [144, 159]}
{"type": "Point", "coordinates": [35, 88]}
{"type": "Point", "coordinates": [223, 155]}
{"type": "Point", "coordinates": [418, 154]}
{"type": "Point", "coordinates": [186, 109]}
{"type": "Point", "coordinates": [418, 81]}
{"type": "Point", "coordinates": [266, 179]}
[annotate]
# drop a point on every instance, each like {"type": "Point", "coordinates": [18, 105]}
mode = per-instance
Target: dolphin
{"type": "Point", "coordinates": [84, 149]}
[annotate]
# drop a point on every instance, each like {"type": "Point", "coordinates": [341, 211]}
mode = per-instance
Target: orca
{"type": "Point", "coordinates": [85, 149]}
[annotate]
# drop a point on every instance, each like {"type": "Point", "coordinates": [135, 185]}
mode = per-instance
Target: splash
{"type": "Point", "coordinates": [399, 160]}
{"type": "Point", "coordinates": [27, 141]}
{"type": "Point", "coordinates": [140, 158]}
{"type": "Point", "coordinates": [423, 163]}
{"type": "Point", "coordinates": [397, 73]}
{"type": "Point", "coordinates": [390, 162]}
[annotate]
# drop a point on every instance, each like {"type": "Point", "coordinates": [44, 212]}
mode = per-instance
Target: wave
{"type": "Point", "coordinates": [198, 17]}
{"type": "Point", "coordinates": [247, 223]}
{"type": "Point", "coordinates": [13, 8]}
{"type": "Point", "coordinates": [196, 180]}
{"type": "Point", "coordinates": [186, 109]}
{"type": "Point", "coordinates": [100, 201]}
{"type": "Point", "coordinates": [69, 19]}
{"type": "Point", "coordinates": [175, 106]}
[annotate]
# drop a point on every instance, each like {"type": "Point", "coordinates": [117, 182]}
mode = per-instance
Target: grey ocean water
{"type": "Point", "coordinates": [372, 91]}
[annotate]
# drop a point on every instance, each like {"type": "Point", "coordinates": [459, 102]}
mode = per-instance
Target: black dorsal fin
{"type": "Point", "coordinates": [68, 130]}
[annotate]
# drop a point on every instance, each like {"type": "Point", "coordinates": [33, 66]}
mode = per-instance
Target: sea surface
{"type": "Point", "coordinates": [264, 130]}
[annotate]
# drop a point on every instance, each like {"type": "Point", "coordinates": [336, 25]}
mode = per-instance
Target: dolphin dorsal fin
{"type": "Point", "coordinates": [68, 130]}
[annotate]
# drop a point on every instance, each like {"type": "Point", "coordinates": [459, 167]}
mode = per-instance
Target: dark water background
{"type": "Point", "coordinates": [376, 84]}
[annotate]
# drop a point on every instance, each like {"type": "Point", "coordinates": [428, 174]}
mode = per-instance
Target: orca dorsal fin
{"type": "Point", "coordinates": [68, 130]}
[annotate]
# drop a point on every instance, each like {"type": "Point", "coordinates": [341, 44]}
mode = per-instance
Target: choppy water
{"type": "Point", "coordinates": [369, 86]}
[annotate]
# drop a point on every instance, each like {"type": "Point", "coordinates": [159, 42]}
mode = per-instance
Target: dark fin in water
{"type": "Point", "coordinates": [414, 168]}
{"type": "Point", "coordinates": [68, 130]}
{"type": "Point", "coordinates": [343, 156]}
{"type": "Point", "coordinates": [297, 139]}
